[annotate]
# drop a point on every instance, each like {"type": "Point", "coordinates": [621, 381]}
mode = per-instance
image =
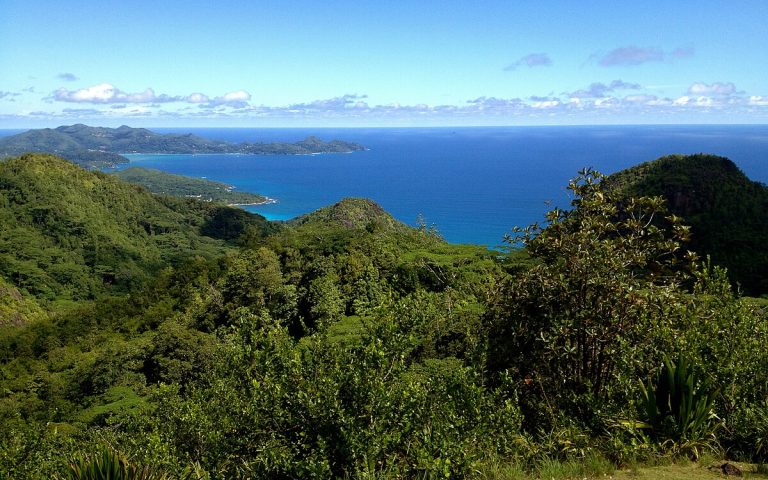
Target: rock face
{"type": "Point", "coordinates": [725, 209]}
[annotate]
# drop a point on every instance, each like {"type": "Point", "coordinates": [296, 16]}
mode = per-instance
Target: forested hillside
{"type": "Point", "coordinates": [75, 234]}
{"type": "Point", "coordinates": [199, 341]}
{"type": "Point", "coordinates": [725, 209]}
{"type": "Point", "coordinates": [163, 183]}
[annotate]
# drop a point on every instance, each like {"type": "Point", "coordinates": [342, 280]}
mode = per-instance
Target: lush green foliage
{"type": "Point", "coordinates": [76, 234]}
{"type": "Point", "coordinates": [109, 465]}
{"type": "Point", "coordinates": [347, 345]}
{"type": "Point", "coordinates": [677, 406]}
{"type": "Point", "coordinates": [725, 209]}
{"type": "Point", "coordinates": [581, 325]}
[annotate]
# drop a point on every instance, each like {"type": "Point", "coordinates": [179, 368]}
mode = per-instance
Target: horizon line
{"type": "Point", "coordinates": [351, 127]}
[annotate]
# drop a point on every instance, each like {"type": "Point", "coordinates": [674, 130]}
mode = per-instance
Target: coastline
{"type": "Point", "coordinates": [267, 201]}
{"type": "Point", "coordinates": [128, 154]}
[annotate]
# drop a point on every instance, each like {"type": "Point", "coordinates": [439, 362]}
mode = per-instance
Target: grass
{"type": "Point", "coordinates": [689, 471]}
{"type": "Point", "coordinates": [596, 467]}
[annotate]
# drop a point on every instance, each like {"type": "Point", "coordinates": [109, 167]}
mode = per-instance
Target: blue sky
{"type": "Point", "coordinates": [361, 63]}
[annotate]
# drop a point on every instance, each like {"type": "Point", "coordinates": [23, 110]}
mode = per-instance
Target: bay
{"type": "Point", "coordinates": [474, 184]}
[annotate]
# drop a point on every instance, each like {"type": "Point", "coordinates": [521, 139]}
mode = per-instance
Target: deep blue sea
{"type": "Point", "coordinates": [473, 184]}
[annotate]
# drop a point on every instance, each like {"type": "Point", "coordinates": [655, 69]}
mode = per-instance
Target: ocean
{"type": "Point", "coordinates": [472, 184]}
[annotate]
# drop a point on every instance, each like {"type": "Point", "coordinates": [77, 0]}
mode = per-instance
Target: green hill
{"type": "Point", "coordinates": [726, 210]}
{"type": "Point", "coordinates": [352, 213]}
{"type": "Point", "coordinates": [76, 233]}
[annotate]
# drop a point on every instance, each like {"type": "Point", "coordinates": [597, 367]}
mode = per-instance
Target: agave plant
{"type": "Point", "coordinates": [677, 406]}
{"type": "Point", "coordinates": [108, 464]}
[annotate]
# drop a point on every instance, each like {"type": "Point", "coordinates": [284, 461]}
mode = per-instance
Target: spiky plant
{"type": "Point", "coordinates": [677, 406]}
{"type": "Point", "coordinates": [108, 464]}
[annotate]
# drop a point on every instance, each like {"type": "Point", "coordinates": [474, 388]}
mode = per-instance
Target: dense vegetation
{"type": "Point", "coordinates": [725, 209]}
{"type": "Point", "coordinates": [163, 183]}
{"type": "Point", "coordinates": [73, 234]}
{"type": "Point", "coordinates": [100, 147]}
{"type": "Point", "coordinates": [348, 345]}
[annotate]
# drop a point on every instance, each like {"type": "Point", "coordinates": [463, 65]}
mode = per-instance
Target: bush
{"type": "Point", "coordinates": [577, 329]}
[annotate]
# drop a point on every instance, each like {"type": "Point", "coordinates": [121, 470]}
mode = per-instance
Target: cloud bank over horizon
{"type": "Point", "coordinates": [608, 100]}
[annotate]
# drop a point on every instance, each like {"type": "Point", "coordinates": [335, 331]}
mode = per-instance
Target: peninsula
{"type": "Point", "coordinates": [162, 183]}
{"type": "Point", "coordinates": [100, 147]}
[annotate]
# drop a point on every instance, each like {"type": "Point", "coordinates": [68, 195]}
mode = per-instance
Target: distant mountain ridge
{"type": "Point", "coordinates": [100, 147]}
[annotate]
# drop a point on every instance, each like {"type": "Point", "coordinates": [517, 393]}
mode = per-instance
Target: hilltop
{"type": "Point", "coordinates": [352, 213]}
{"type": "Point", "coordinates": [725, 209]}
{"type": "Point", "coordinates": [100, 147]}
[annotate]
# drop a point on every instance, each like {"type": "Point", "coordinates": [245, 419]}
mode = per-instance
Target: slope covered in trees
{"type": "Point", "coordinates": [72, 233]}
{"type": "Point", "coordinates": [348, 345]}
{"type": "Point", "coordinates": [726, 210]}
{"type": "Point", "coordinates": [163, 183]}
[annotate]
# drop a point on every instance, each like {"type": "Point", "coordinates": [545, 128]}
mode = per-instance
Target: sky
{"type": "Point", "coordinates": [357, 63]}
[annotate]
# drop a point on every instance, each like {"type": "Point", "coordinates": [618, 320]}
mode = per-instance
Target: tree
{"type": "Point", "coordinates": [601, 299]}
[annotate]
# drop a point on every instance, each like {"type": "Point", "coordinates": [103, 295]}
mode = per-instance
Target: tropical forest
{"type": "Point", "coordinates": [144, 335]}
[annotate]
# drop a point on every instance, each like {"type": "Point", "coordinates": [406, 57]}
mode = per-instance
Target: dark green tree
{"type": "Point", "coordinates": [602, 297]}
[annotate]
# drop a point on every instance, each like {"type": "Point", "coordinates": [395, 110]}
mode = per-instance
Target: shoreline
{"type": "Point", "coordinates": [268, 201]}
{"type": "Point", "coordinates": [243, 153]}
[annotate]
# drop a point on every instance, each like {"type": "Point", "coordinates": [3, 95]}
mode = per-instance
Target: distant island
{"type": "Point", "coordinates": [100, 147]}
{"type": "Point", "coordinates": [162, 183]}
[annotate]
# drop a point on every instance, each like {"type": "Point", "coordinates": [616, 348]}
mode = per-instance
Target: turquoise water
{"type": "Point", "coordinates": [474, 184]}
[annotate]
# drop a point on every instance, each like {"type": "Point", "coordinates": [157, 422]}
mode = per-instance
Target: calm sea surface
{"type": "Point", "coordinates": [473, 184]}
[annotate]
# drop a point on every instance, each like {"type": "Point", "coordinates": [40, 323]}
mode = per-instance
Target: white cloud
{"type": "Point", "coordinates": [600, 90]}
{"type": "Point", "coordinates": [197, 98]}
{"type": "Point", "coordinates": [607, 102]}
{"type": "Point", "coordinates": [236, 99]}
{"type": "Point", "coordinates": [546, 104]}
{"type": "Point", "coordinates": [716, 88]}
{"type": "Point", "coordinates": [758, 100]}
{"type": "Point", "coordinates": [704, 101]}
{"type": "Point", "coordinates": [102, 93]}
{"type": "Point", "coordinates": [640, 99]}
{"type": "Point", "coordinates": [108, 93]}
{"type": "Point", "coordinates": [238, 96]}
{"type": "Point", "coordinates": [660, 102]}
{"type": "Point", "coordinates": [342, 103]}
